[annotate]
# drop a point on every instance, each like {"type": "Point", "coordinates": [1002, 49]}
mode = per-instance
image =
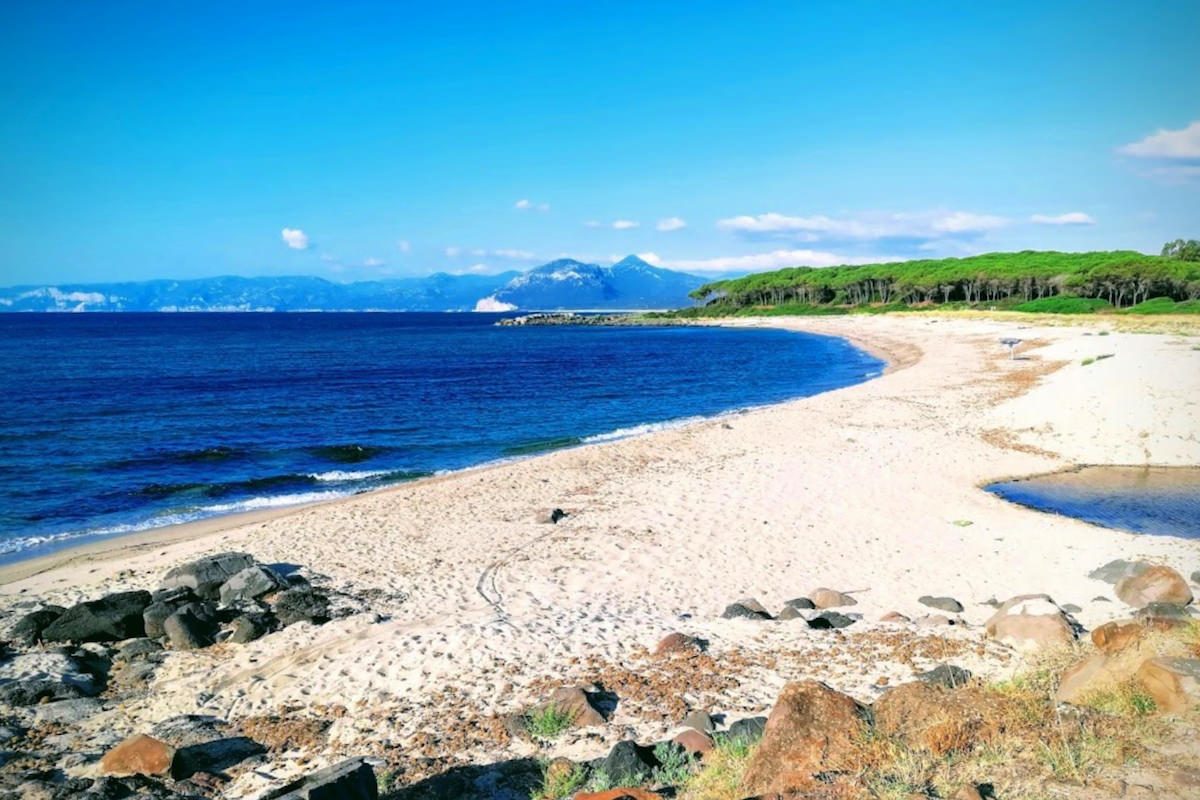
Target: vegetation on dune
{"type": "Point", "coordinates": [1047, 282]}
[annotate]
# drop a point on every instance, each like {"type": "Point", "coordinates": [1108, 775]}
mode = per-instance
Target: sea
{"type": "Point", "coordinates": [112, 423]}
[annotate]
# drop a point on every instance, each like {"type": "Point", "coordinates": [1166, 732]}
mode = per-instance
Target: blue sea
{"type": "Point", "coordinates": [120, 422]}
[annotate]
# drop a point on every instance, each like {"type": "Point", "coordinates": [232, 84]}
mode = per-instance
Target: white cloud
{"type": "Point", "coordinates": [373, 262]}
{"type": "Point", "coordinates": [671, 224]}
{"type": "Point", "coordinates": [925, 225]}
{"type": "Point", "coordinates": [1183, 144]}
{"type": "Point", "coordinates": [1070, 218]}
{"type": "Point", "coordinates": [404, 246]}
{"type": "Point", "coordinates": [754, 262]}
{"type": "Point", "coordinates": [528, 205]}
{"type": "Point", "coordinates": [624, 224]}
{"type": "Point", "coordinates": [453, 252]}
{"type": "Point", "coordinates": [294, 238]}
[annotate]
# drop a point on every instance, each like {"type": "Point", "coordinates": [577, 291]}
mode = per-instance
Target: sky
{"type": "Point", "coordinates": [366, 140]}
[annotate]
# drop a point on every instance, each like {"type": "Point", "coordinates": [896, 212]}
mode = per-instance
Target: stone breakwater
{"type": "Point", "coordinates": [61, 665]}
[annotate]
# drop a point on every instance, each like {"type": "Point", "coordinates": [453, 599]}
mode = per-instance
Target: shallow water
{"type": "Point", "coordinates": [1152, 500]}
{"type": "Point", "coordinates": [118, 422]}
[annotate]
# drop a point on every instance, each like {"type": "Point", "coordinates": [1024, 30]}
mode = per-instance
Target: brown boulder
{"type": "Point", "coordinates": [1030, 622]}
{"type": "Point", "coordinates": [939, 720]}
{"type": "Point", "coordinates": [677, 643]}
{"type": "Point", "coordinates": [629, 793]}
{"type": "Point", "coordinates": [894, 616]}
{"type": "Point", "coordinates": [138, 755]}
{"type": "Point", "coordinates": [1174, 683]}
{"type": "Point", "coordinates": [828, 598]}
{"type": "Point", "coordinates": [1117, 635]}
{"type": "Point", "coordinates": [574, 701]}
{"type": "Point", "coordinates": [812, 729]}
{"type": "Point", "coordinates": [694, 742]}
{"type": "Point", "coordinates": [1158, 584]}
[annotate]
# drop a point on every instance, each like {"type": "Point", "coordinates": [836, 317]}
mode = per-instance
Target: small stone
{"type": "Point", "coordinates": [746, 608]}
{"type": "Point", "coordinates": [699, 721]}
{"type": "Point", "coordinates": [138, 755]}
{"type": "Point", "coordinates": [791, 612]}
{"type": "Point", "coordinates": [941, 603]}
{"type": "Point", "coordinates": [678, 643]}
{"type": "Point", "coordinates": [248, 627]}
{"type": "Point", "coordinates": [946, 675]}
{"type": "Point", "coordinates": [936, 621]}
{"type": "Point", "coordinates": [894, 616]}
{"type": "Point", "coordinates": [802, 603]}
{"type": "Point", "coordinates": [137, 649]}
{"type": "Point", "coordinates": [748, 729]}
{"type": "Point", "coordinates": [628, 763]}
{"type": "Point", "coordinates": [1071, 608]}
{"type": "Point", "coordinates": [830, 619]}
{"type": "Point", "coordinates": [828, 598]}
{"type": "Point", "coordinates": [555, 515]}
{"type": "Point", "coordinates": [693, 742]}
{"type": "Point", "coordinates": [574, 701]}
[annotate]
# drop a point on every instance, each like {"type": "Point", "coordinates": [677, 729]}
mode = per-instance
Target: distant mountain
{"type": "Point", "coordinates": [439, 292]}
{"type": "Point", "coordinates": [569, 284]}
{"type": "Point", "coordinates": [628, 284]}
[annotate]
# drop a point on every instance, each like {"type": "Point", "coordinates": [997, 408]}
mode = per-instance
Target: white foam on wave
{"type": "Point", "coordinates": [342, 475]}
{"type": "Point", "coordinates": [643, 429]}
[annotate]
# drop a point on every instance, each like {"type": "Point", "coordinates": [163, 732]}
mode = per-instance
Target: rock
{"type": "Point", "coordinates": [1116, 635]}
{"type": "Point", "coordinates": [746, 608]}
{"type": "Point", "coordinates": [1114, 571]}
{"type": "Point", "coordinates": [747, 729]}
{"type": "Point", "coordinates": [301, 604]}
{"type": "Point", "coordinates": [138, 755]}
{"type": "Point", "coordinates": [812, 729]}
{"type": "Point", "coordinates": [204, 576]}
{"type": "Point", "coordinates": [190, 628]}
{"type": "Point", "coordinates": [1196, 577]}
{"type": "Point", "coordinates": [1030, 622]}
{"type": "Point", "coordinates": [1174, 683]}
{"type": "Point", "coordinates": [693, 742]}
{"type": "Point", "coordinates": [628, 763]}
{"type": "Point", "coordinates": [626, 793]}
{"type": "Point", "coordinates": [555, 515]}
{"type": "Point", "coordinates": [67, 712]}
{"type": "Point", "coordinates": [349, 780]}
{"type": "Point", "coordinates": [28, 630]}
{"type": "Point", "coordinates": [1163, 616]}
{"type": "Point", "coordinates": [574, 701]}
{"type": "Point", "coordinates": [248, 627]}
{"type": "Point", "coordinates": [1071, 608]}
{"type": "Point", "coordinates": [947, 675]}
{"type": "Point", "coordinates": [828, 598]}
{"type": "Point", "coordinates": [830, 619]}
{"type": "Point", "coordinates": [215, 755]}
{"type": "Point", "coordinates": [1157, 584]}
{"type": "Point", "coordinates": [802, 603]}
{"type": "Point", "coordinates": [249, 584]}
{"type": "Point", "coordinates": [37, 677]}
{"type": "Point", "coordinates": [163, 604]}
{"type": "Point", "coordinates": [138, 649]}
{"type": "Point", "coordinates": [941, 603]}
{"type": "Point", "coordinates": [699, 721]}
{"type": "Point", "coordinates": [938, 720]}
{"type": "Point", "coordinates": [678, 643]}
{"type": "Point", "coordinates": [894, 616]}
{"type": "Point", "coordinates": [791, 612]}
{"type": "Point", "coordinates": [1083, 679]}
{"type": "Point", "coordinates": [109, 619]}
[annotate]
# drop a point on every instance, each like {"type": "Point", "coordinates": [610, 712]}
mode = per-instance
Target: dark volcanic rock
{"type": "Point", "coordinates": [192, 627]}
{"type": "Point", "coordinates": [109, 619]}
{"type": "Point", "coordinates": [941, 603]}
{"type": "Point", "coordinates": [28, 630]}
{"type": "Point", "coordinates": [746, 608]}
{"type": "Point", "coordinates": [165, 603]}
{"type": "Point", "coordinates": [628, 763]}
{"type": "Point", "coordinates": [830, 619]}
{"type": "Point", "coordinates": [946, 675]}
{"type": "Point", "coordinates": [802, 603]}
{"type": "Point", "coordinates": [204, 576]}
{"type": "Point", "coordinates": [350, 780]}
{"type": "Point", "coordinates": [248, 627]}
{"type": "Point", "coordinates": [301, 604]}
{"type": "Point", "coordinates": [138, 649]}
{"type": "Point", "coordinates": [749, 729]}
{"type": "Point", "coordinates": [249, 584]}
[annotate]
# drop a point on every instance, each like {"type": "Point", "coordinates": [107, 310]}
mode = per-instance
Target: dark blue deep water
{"type": "Point", "coordinates": [112, 423]}
{"type": "Point", "coordinates": [1152, 500]}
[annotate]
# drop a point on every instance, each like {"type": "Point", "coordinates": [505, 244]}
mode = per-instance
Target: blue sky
{"type": "Point", "coordinates": [358, 140]}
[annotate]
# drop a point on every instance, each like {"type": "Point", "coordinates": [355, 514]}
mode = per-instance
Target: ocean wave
{"type": "Point", "coordinates": [346, 453]}
{"type": "Point", "coordinates": [343, 475]}
{"type": "Point", "coordinates": [641, 430]}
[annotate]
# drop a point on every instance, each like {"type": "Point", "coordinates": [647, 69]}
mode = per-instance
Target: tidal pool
{"type": "Point", "coordinates": [1162, 501]}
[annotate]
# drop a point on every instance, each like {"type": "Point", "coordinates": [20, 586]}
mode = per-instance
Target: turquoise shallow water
{"type": "Point", "coordinates": [118, 422]}
{"type": "Point", "coordinates": [1151, 500]}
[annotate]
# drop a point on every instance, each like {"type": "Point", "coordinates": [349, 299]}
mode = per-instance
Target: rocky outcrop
{"type": "Point", "coordinates": [28, 630]}
{"type": "Point", "coordinates": [204, 576]}
{"type": "Point", "coordinates": [1174, 683]}
{"type": "Point", "coordinates": [108, 619]}
{"type": "Point", "coordinates": [812, 730]}
{"type": "Point", "coordinates": [249, 584]}
{"type": "Point", "coordinates": [1031, 622]}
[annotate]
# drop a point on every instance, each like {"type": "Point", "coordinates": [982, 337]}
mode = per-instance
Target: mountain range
{"type": "Point", "coordinates": [564, 284]}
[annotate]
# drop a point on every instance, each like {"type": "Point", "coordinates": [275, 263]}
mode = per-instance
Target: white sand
{"type": "Point", "coordinates": [857, 490]}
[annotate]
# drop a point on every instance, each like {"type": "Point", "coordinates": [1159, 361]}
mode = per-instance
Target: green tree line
{"type": "Point", "coordinates": [1122, 278]}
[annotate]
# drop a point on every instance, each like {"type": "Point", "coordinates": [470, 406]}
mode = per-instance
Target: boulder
{"type": "Point", "coordinates": [248, 627]}
{"type": "Point", "coordinates": [28, 630]}
{"type": "Point", "coordinates": [678, 643]}
{"type": "Point", "coordinates": [828, 598]}
{"type": "Point", "coordinates": [302, 604]}
{"type": "Point", "coordinates": [1030, 622]}
{"type": "Point", "coordinates": [830, 619]}
{"type": "Point", "coordinates": [699, 721]}
{"type": "Point", "coordinates": [812, 730]}
{"type": "Point", "coordinates": [1114, 571]}
{"type": "Point", "coordinates": [791, 612]}
{"type": "Point", "coordinates": [948, 604]}
{"type": "Point", "coordinates": [1158, 584]}
{"type": "Point", "coordinates": [191, 628]}
{"type": "Point", "coordinates": [349, 780]}
{"type": "Point", "coordinates": [204, 576]}
{"type": "Point", "coordinates": [111, 618]}
{"type": "Point", "coordinates": [628, 763]}
{"type": "Point", "coordinates": [693, 742]}
{"type": "Point", "coordinates": [938, 720]}
{"type": "Point", "coordinates": [747, 729]}
{"type": "Point", "coordinates": [574, 701]}
{"type": "Point", "coordinates": [138, 755]}
{"type": "Point", "coordinates": [1174, 683]}
{"type": "Point", "coordinates": [163, 604]}
{"type": "Point", "coordinates": [802, 603]}
{"type": "Point", "coordinates": [138, 649]}
{"type": "Point", "coordinates": [626, 793]}
{"type": "Point", "coordinates": [1116, 635]}
{"type": "Point", "coordinates": [746, 608]}
{"type": "Point", "coordinates": [249, 584]}
{"type": "Point", "coordinates": [946, 675]}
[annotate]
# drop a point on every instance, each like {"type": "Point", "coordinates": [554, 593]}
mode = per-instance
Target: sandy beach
{"type": "Point", "coordinates": [464, 604]}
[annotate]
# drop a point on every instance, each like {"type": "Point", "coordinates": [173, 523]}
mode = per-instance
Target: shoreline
{"type": "Point", "coordinates": [109, 546]}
